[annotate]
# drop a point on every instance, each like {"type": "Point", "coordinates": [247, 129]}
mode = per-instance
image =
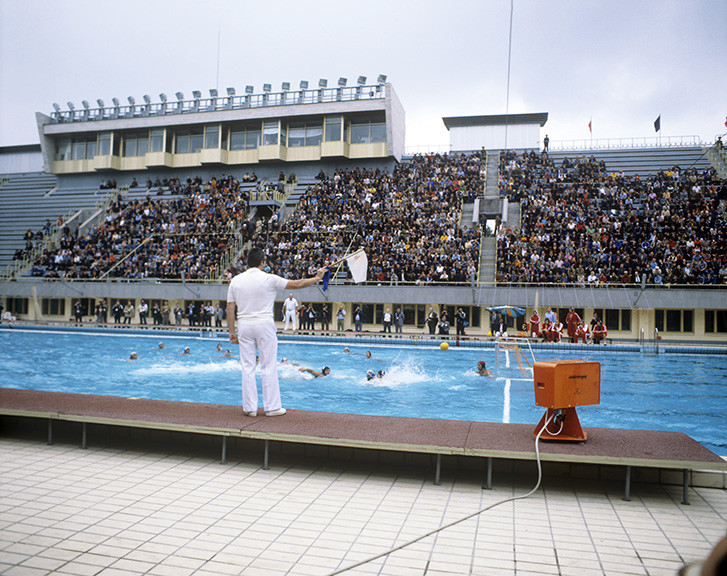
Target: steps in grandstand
{"type": "Point", "coordinates": [492, 179]}
{"type": "Point", "coordinates": [641, 161]}
{"type": "Point", "coordinates": [488, 264]}
{"type": "Point", "coordinates": [718, 158]}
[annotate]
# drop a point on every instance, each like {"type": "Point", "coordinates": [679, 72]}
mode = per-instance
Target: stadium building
{"type": "Point", "coordinates": [276, 145]}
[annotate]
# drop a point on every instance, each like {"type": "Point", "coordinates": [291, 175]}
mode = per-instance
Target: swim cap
{"type": "Point", "coordinates": [370, 374]}
{"type": "Point", "coordinates": [481, 363]}
{"type": "Point", "coordinates": [380, 373]}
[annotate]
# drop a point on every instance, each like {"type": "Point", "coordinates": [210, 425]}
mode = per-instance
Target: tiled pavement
{"type": "Point", "coordinates": [125, 511]}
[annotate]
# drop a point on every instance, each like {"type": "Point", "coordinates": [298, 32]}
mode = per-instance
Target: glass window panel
{"type": "Point", "coordinates": [721, 320]}
{"type": "Point", "coordinates": [409, 311]}
{"type": "Point", "coordinates": [182, 143]}
{"type": "Point", "coordinates": [709, 320]}
{"type": "Point", "coordinates": [333, 129]}
{"type": "Point", "coordinates": [142, 146]}
{"type": "Point", "coordinates": [237, 140]}
{"type": "Point", "coordinates": [612, 319]}
{"type": "Point", "coordinates": [659, 320]}
{"type": "Point", "coordinates": [253, 139]}
{"type": "Point", "coordinates": [90, 148]}
{"type": "Point", "coordinates": [360, 133]}
{"type": "Point", "coordinates": [673, 320]}
{"type": "Point", "coordinates": [625, 319]}
{"type": "Point", "coordinates": [212, 137]}
{"type": "Point", "coordinates": [368, 313]}
{"type": "Point", "coordinates": [195, 141]}
{"type": "Point", "coordinates": [296, 135]}
{"type": "Point", "coordinates": [104, 144]}
{"type": "Point", "coordinates": [157, 140]}
{"type": "Point", "coordinates": [79, 150]}
{"type": "Point", "coordinates": [688, 318]}
{"type": "Point", "coordinates": [270, 133]}
{"type": "Point", "coordinates": [313, 135]}
{"type": "Point", "coordinates": [64, 149]}
{"type": "Point", "coordinates": [378, 132]}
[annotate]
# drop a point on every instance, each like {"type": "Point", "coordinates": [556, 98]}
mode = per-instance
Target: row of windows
{"type": "Point", "coordinates": [715, 321]}
{"type": "Point", "coordinates": [187, 141]}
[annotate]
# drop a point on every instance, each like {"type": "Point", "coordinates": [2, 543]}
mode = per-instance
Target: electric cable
{"type": "Point", "coordinates": [490, 507]}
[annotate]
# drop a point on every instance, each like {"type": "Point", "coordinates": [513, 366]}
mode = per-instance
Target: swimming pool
{"type": "Point", "coordinates": [678, 392]}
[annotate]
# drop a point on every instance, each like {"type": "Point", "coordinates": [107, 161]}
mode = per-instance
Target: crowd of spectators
{"type": "Point", "coordinates": [407, 221]}
{"type": "Point", "coordinates": [581, 224]}
{"type": "Point", "coordinates": [154, 238]}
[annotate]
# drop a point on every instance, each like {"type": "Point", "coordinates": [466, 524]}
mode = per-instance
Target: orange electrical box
{"type": "Point", "coordinates": [567, 383]}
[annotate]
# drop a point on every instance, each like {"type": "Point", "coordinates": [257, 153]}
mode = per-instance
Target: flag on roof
{"type": "Point", "coordinates": [657, 124]}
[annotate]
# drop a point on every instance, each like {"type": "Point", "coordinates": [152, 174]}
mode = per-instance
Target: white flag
{"type": "Point", "coordinates": [358, 264]}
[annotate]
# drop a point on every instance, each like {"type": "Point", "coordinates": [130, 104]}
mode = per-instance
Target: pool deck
{"type": "Point", "coordinates": [130, 507]}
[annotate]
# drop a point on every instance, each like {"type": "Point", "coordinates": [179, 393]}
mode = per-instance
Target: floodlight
{"type": "Point", "coordinates": [213, 92]}
{"type": "Point", "coordinates": [249, 89]}
{"type": "Point", "coordinates": [382, 79]}
{"type": "Point", "coordinates": [56, 107]}
{"type": "Point", "coordinates": [322, 83]}
{"type": "Point", "coordinates": [342, 81]}
{"type": "Point", "coordinates": [84, 103]}
{"type": "Point", "coordinates": [71, 107]}
{"type": "Point", "coordinates": [115, 100]}
{"type": "Point", "coordinates": [267, 87]}
{"type": "Point", "coordinates": [304, 84]}
{"type": "Point", "coordinates": [179, 95]}
{"type": "Point", "coordinates": [131, 100]}
{"type": "Point", "coordinates": [147, 98]}
{"type": "Point", "coordinates": [100, 103]}
{"type": "Point", "coordinates": [196, 94]}
{"type": "Point", "coordinates": [230, 91]}
{"type": "Point", "coordinates": [286, 86]}
{"type": "Point", "coordinates": [361, 80]}
{"type": "Point", "coordinates": [163, 97]}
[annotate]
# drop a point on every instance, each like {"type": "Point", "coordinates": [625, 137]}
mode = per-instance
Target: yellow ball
{"type": "Point", "coordinates": [444, 346]}
{"type": "Point", "coordinates": [489, 333]}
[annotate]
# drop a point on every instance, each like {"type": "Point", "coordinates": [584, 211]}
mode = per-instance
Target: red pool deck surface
{"type": "Point", "coordinates": [642, 448]}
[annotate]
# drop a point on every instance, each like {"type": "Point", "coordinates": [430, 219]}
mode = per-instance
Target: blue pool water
{"type": "Point", "coordinates": [678, 392]}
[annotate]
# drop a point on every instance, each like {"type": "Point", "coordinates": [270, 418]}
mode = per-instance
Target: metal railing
{"type": "Point", "coordinates": [212, 104]}
{"type": "Point", "coordinates": [624, 143]}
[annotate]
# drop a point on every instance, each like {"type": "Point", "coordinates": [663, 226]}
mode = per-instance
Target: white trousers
{"type": "Point", "coordinates": [260, 338]}
{"type": "Point", "coordinates": [290, 316]}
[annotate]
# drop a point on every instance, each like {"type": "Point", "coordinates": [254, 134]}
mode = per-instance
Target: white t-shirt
{"type": "Point", "coordinates": [254, 293]}
{"type": "Point", "coordinates": [290, 304]}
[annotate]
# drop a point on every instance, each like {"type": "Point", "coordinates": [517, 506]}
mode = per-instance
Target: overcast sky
{"type": "Point", "coordinates": [620, 63]}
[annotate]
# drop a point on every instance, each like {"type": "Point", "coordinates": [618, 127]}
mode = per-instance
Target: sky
{"type": "Point", "coordinates": [618, 64]}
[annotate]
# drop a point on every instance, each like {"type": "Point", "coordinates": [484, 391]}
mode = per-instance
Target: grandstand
{"type": "Point", "coordinates": [162, 203]}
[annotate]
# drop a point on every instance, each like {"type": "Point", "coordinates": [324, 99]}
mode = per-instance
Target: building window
{"type": "Point", "coordinates": [296, 135]}
{"type": "Point", "coordinates": [368, 132]}
{"type": "Point", "coordinates": [614, 319]}
{"type": "Point", "coordinates": [244, 138]}
{"type": "Point", "coordinates": [17, 306]}
{"type": "Point", "coordinates": [54, 306]}
{"type": "Point", "coordinates": [189, 141]}
{"type": "Point", "coordinates": [136, 144]}
{"type": "Point", "coordinates": [271, 131]}
{"type": "Point", "coordinates": [63, 149]}
{"type": "Point", "coordinates": [76, 148]}
{"type": "Point", "coordinates": [304, 134]}
{"type": "Point", "coordinates": [333, 129]}
{"type": "Point", "coordinates": [715, 321]}
{"type": "Point", "coordinates": [674, 320]}
{"type": "Point", "coordinates": [212, 137]}
{"type": "Point", "coordinates": [104, 144]}
{"type": "Point", "coordinates": [157, 140]}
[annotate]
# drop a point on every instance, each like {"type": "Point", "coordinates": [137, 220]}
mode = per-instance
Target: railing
{"type": "Point", "coordinates": [181, 106]}
{"type": "Point", "coordinates": [624, 143]}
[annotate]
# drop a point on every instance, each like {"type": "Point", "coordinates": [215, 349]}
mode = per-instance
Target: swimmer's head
{"type": "Point", "coordinates": [227, 353]}
{"type": "Point", "coordinates": [481, 365]}
{"type": "Point", "coordinates": [161, 344]}
{"type": "Point", "coordinates": [187, 350]}
{"type": "Point", "coordinates": [370, 374]}
{"type": "Point", "coordinates": [326, 371]}
{"type": "Point", "coordinates": [219, 346]}
{"type": "Point", "coordinates": [368, 353]}
{"type": "Point", "coordinates": [346, 350]}
{"type": "Point", "coordinates": [380, 374]}
{"type": "Point", "coordinates": [133, 356]}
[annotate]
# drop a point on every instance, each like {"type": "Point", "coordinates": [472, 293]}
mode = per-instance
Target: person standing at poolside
{"type": "Point", "coordinates": [253, 328]}
{"type": "Point", "coordinates": [290, 305]}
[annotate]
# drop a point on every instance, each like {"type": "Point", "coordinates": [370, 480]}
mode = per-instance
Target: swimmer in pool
{"type": "Point", "coordinates": [186, 351]}
{"type": "Point", "coordinates": [219, 347]}
{"type": "Point", "coordinates": [368, 353]}
{"type": "Point", "coordinates": [325, 372]}
{"type": "Point", "coordinates": [483, 370]}
{"type": "Point", "coordinates": [227, 354]}
{"type": "Point", "coordinates": [370, 374]}
{"type": "Point", "coordinates": [132, 357]}
{"type": "Point", "coordinates": [161, 345]}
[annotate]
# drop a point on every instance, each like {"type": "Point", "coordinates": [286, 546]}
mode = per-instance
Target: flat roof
{"type": "Point", "coordinates": [495, 120]}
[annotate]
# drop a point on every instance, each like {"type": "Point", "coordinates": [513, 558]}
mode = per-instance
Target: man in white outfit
{"type": "Point", "coordinates": [253, 293]}
{"type": "Point", "coordinates": [290, 306]}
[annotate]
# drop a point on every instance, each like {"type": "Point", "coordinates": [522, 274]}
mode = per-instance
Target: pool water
{"type": "Point", "coordinates": [678, 392]}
